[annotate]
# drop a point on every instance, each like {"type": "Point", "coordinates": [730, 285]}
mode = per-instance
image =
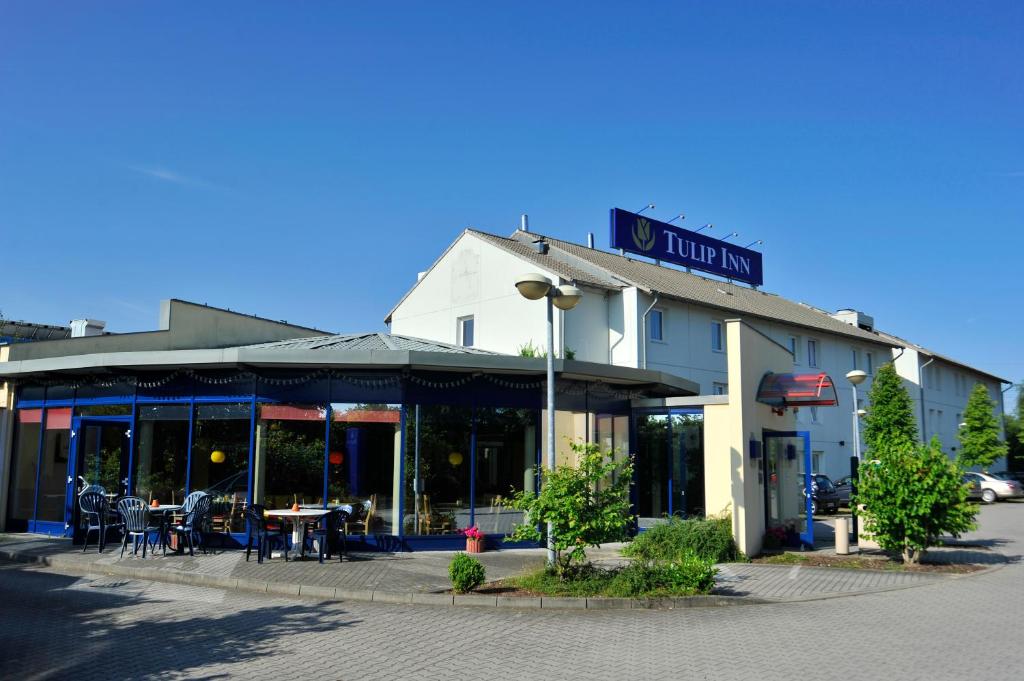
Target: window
{"type": "Point", "coordinates": [657, 332]}
{"type": "Point", "coordinates": [466, 332]}
{"type": "Point", "coordinates": [812, 353]}
{"type": "Point", "coordinates": [717, 341]}
{"type": "Point", "coordinates": [792, 345]}
{"type": "Point", "coordinates": [936, 378]}
{"type": "Point", "coordinates": [719, 389]}
{"type": "Point", "coordinates": [816, 458]}
{"type": "Point", "coordinates": [853, 358]}
{"type": "Point", "coordinates": [814, 415]}
{"type": "Point", "coordinates": [869, 363]}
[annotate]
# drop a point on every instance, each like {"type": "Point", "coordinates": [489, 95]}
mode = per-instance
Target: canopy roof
{"type": "Point", "coordinates": [797, 390]}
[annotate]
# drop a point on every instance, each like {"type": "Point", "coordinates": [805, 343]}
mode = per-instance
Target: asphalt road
{"type": "Point", "coordinates": [54, 626]}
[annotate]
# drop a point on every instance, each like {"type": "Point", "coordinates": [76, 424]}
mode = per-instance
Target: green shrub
{"type": "Point", "coordinates": [691, 575]}
{"type": "Point", "coordinates": [676, 539]}
{"type": "Point", "coordinates": [466, 573]}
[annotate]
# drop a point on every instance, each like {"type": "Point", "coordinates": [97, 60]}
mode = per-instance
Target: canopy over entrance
{"type": "Point", "coordinates": [797, 390]}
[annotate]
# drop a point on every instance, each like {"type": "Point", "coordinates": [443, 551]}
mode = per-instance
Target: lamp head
{"type": "Point", "coordinates": [566, 297]}
{"type": "Point", "coordinates": [533, 286]}
{"type": "Point", "coordinates": [862, 412]}
{"type": "Point", "coordinates": [856, 376]}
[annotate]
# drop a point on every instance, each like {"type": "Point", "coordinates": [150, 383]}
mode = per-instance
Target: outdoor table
{"type": "Point", "coordinates": [165, 513]}
{"type": "Point", "coordinates": [298, 519]}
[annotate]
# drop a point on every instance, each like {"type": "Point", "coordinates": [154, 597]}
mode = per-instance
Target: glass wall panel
{"type": "Point", "coordinates": [688, 465]}
{"type": "Point", "coordinates": [363, 463]}
{"type": "Point", "coordinates": [220, 461]}
{"type": "Point", "coordinates": [161, 452]}
{"type": "Point", "coordinates": [506, 450]}
{"type": "Point", "coordinates": [103, 410]}
{"type": "Point", "coordinates": [22, 487]}
{"type": "Point", "coordinates": [117, 389]}
{"type": "Point", "coordinates": [611, 433]}
{"type": "Point", "coordinates": [437, 458]}
{"type": "Point", "coordinates": [570, 426]}
{"type": "Point", "coordinates": [53, 474]}
{"type": "Point", "coordinates": [652, 470]}
{"type": "Point", "coordinates": [290, 454]}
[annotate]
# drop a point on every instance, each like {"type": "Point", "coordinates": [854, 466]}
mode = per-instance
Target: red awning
{"type": "Point", "coordinates": [797, 390]}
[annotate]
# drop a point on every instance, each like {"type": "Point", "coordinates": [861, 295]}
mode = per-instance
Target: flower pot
{"type": "Point", "coordinates": [474, 545]}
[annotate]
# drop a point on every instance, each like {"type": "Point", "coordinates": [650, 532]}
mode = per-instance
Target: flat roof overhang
{"type": "Point", "coordinates": [245, 358]}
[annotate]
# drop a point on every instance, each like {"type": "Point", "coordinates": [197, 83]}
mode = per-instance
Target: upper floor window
{"type": "Point", "coordinates": [465, 331]}
{"type": "Point", "coordinates": [869, 363]}
{"type": "Point", "coordinates": [853, 358]}
{"type": "Point", "coordinates": [812, 353]}
{"type": "Point", "coordinates": [657, 319]}
{"type": "Point", "coordinates": [791, 344]}
{"type": "Point", "coordinates": [717, 339]}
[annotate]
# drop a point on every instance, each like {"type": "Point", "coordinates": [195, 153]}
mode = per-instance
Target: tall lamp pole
{"type": "Point", "coordinates": [534, 287]}
{"type": "Point", "coordinates": [855, 377]}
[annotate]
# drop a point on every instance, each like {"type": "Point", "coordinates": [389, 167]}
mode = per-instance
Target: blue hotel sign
{"type": "Point", "coordinates": [662, 241]}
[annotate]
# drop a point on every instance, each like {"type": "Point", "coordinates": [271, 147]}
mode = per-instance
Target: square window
{"type": "Point", "coordinates": [466, 331]}
{"type": "Point", "coordinates": [657, 325]}
{"type": "Point", "coordinates": [717, 340]}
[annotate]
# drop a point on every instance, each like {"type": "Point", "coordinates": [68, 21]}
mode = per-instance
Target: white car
{"type": "Point", "coordinates": [995, 488]}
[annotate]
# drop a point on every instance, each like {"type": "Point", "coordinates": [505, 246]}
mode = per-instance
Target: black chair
{"type": "Point", "coordinates": [134, 514]}
{"type": "Point", "coordinates": [329, 534]}
{"type": "Point", "coordinates": [257, 526]}
{"type": "Point", "coordinates": [97, 513]}
{"type": "Point", "coordinates": [191, 527]}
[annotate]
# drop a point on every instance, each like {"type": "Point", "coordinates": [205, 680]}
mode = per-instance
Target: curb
{"type": "Point", "coordinates": [321, 593]}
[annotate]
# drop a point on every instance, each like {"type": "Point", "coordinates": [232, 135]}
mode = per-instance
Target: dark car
{"type": "Point", "coordinates": [824, 496]}
{"type": "Point", "coordinates": [844, 488]}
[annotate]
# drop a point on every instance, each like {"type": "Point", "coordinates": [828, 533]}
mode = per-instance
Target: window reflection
{"type": "Point", "coordinates": [22, 486]}
{"type": "Point", "coordinates": [220, 461]}
{"type": "Point", "coordinates": [506, 452]}
{"type": "Point", "coordinates": [52, 474]}
{"type": "Point", "coordinates": [362, 464]}
{"type": "Point", "coordinates": [290, 454]}
{"type": "Point", "coordinates": [161, 452]}
{"type": "Point", "coordinates": [437, 469]}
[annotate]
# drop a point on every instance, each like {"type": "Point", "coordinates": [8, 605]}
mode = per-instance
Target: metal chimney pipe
{"type": "Point", "coordinates": [590, 240]}
{"type": "Point", "coordinates": [524, 222]}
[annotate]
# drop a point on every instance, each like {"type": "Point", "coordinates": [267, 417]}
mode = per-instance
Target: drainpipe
{"type": "Point", "coordinates": [920, 383]}
{"type": "Point", "coordinates": [643, 325]}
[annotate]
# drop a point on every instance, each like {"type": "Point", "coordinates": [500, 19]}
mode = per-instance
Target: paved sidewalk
{"type": "Point", "coordinates": [423, 576]}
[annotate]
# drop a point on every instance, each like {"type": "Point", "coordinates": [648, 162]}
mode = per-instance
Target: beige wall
{"type": "Point", "coordinates": [732, 479]}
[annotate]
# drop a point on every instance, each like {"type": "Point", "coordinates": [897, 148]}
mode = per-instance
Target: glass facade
{"type": "Point", "coordinates": [669, 465]}
{"type": "Point", "coordinates": [450, 455]}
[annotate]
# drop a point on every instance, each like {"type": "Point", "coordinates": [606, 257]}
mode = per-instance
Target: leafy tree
{"type": "Point", "coordinates": [1013, 425]}
{"type": "Point", "coordinates": [979, 437]}
{"type": "Point", "coordinates": [890, 421]}
{"type": "Point", "coordinates": [912, 495]}
{"type": "Point", "coordinates": [584, 508]}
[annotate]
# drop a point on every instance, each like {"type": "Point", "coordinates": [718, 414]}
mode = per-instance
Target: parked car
{"type": "Point", "coordinates": [1017, 476]}
{"type": "Point", "coordinates": [994, 488]}
{"type": "Point", "coordinates": [973, 487]}
{"type": "Point", "coordinates": [824, 496]}
{"type": "Point", "coordinates": [844, 488]}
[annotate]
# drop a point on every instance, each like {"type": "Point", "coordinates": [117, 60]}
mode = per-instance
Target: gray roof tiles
{"type": "Point", "coordinates": [369, 341]}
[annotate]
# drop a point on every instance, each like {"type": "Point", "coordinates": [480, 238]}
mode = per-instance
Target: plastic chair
{"type": "Point", "coordinates": [361, 519]}
{"type": "Point", "coordinates": [329, 531]}
{"type": "Point", "coordinates": [257, 525]}
{"type": "Point", "coordinates": [96, 510]}
{"type": "Point", "coordinates": [134, 513]}
{"type": "Point", "coordinates": [191, 527]}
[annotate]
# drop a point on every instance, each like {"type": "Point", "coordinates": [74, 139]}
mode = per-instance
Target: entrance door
{"type": "Point", "coordinates": [787, 483]}
{"type": "Point", "coordinates": [101, 449]}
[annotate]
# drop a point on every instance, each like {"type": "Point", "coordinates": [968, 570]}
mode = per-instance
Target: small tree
{"type": "Point", "coordinates": [1014, 429]}
{"type": "Point", "coordinates": [979, 437]}
{"type": "Point", "coordinates": [890, 419]}
{"type": "Point", "coordinates": [587, 504]}
{"type": "Point", "coordinates": [912, 495]}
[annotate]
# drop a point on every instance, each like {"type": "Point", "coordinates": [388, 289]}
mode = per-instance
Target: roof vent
{"type": "Point", "coordinates": [541, 246]}
{"type": "Point", "coordinates": [855, 318]}
{"type": "Point", "coordinates": [81, 328]}
{"type": "Point", "coordinates": [419, 276]}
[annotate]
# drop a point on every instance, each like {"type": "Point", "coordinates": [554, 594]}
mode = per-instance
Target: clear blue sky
{"type": "Point", "coordinates": [305, 161]}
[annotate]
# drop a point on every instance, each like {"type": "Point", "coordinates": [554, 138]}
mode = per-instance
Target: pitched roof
{"type": "Point", "coordinates": [369, 341]}
{"type": "Point", "coordinates": [618, 271]}
{"type": "Point", "coordinates": [945, 358]}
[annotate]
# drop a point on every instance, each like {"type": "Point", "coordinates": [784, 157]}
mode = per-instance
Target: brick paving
{"type": "Point", "coordinates": [55, 626]}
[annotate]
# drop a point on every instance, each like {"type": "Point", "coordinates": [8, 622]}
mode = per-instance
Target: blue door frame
{"type": "Point", "coordinates": [807, 537]}
{"type": "Point", "coordinates": [76, 442]}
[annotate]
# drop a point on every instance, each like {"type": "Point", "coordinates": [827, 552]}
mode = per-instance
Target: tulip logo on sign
{"type": "Point", "coordinates": [643, 237]}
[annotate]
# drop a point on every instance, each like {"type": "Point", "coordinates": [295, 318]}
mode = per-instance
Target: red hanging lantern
{"type": "Point", "coordinates": [336, 458]}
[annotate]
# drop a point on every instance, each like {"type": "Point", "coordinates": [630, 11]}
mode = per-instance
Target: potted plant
{"type": "Point", "coordinates": [474, 540]}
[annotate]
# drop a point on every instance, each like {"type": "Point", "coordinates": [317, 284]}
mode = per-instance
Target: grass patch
{"type": "Point", "coordinates": [688, 577]}
{"type": "Point", "coordinates": [879, 562]}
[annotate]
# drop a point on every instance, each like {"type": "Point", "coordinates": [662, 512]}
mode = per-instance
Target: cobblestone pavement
{"type": "Point", "coordinates": [54, 626]}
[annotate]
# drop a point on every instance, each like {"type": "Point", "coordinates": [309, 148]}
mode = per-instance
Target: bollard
{"type": "Point", "coordinates": [842, 536]}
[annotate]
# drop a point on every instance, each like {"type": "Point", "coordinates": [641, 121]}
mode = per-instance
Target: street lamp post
{"type": "Point", "coordinates": [855, 377]}
{"type": "Point", "coordinates": [534, 287]}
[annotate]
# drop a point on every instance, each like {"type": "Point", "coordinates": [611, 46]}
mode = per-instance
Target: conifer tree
{"type": "Point", "coordinates": [890, 421]}
{"type": "Point", "coordinates": [979, 437]}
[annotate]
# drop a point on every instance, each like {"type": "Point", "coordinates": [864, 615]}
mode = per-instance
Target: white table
{"type": "Point", "coordinates": [297, 518]}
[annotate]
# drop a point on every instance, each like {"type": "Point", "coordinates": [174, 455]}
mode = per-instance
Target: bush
{"type": "Point", "coordinates": [466, 573]}
{"type": "Point", "coordinates": [690, 575]}
{"type": "Point", "coordinates": [676, 539]}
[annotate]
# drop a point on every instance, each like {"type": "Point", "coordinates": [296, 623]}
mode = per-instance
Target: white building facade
{"type": "Point", "coordinates": [636, 313]}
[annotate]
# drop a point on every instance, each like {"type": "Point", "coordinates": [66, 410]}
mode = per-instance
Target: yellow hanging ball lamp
{"type": "Point", "coordinates": [455, 459]}
{"type": "Point", "coordinates": [217, 456]}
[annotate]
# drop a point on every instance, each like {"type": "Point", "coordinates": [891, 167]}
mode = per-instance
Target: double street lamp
{"type": "Point", "coordinates": [534, 287]}
{"type": "Point", "coordinates": [856, 377]}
